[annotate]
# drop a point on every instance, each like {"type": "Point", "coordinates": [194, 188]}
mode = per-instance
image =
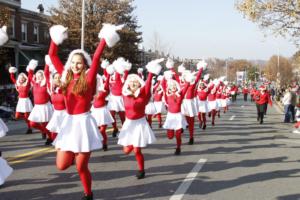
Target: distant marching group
{"type": "Point", "coordinates": [73, 104]}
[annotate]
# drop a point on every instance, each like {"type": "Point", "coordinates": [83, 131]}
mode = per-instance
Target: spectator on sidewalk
{"type": "Point", "coordinates": [293, 104]}
{"type": "Point", "coordinates": [286, 101]}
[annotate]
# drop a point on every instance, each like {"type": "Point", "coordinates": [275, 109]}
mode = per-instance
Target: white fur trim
{"type": "Point", "coordinates": [109, 33]}
{"type": "Point", "coordinates": [110, 69]}
{"type": "Point", "coordinates": [121, 65]}
{"type": "Point", "coordinates": [140, 70]}
{"type": "Point", "coordinates": [105, 64]}
{"type": "Point", "coordinates": [100, 84]}
{"type": "Point", "coordinates": [168, 74]}
{"type": "Point", "coordinates": [201, 64]}
{"type": "Point", "coordinates": [160, 78]}
{"type": "Point", "coordinates": [68, 63]}
{"type": "Point", "coordinates": [190, 78]}
{"type": "Point", "coordinates": [32, 65]}
{"type": "Point", "coordinates": [125, 89]}
{"type": "Point", "coordinates": [3, 35]}
{"type": "Point", "coordinates": [170, 63]}
{"type": "Point", "coordinates": [58, 34]}
{"type": "Point", "coordinates": [181, 68]}
{"type": "Point", "coordinates": [154, 67]}
{"type": "Point", "coordinates": [12, 70]}
{"type": "Point", "coordinates": [48, 60]}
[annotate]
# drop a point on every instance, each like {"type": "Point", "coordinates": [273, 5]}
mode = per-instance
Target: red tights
{"type": "Point", "coordinates": [138, 155]}
{"type": "Point", "coordinates": [159, 119]}
{"type": "Point", "coordinates": [121, 115]}
{"type": "Point", "coordinates": [202, 118]}
{"type": "Point", "coordinates": [103, 133]}
{"type": "Point", "coordinates": [42, 127]}
{"type": "Point", "coordinates": [191, 123]}
{"type": "Point", "coordinates": [149, 119]}
{"type": "Point", "coordinates": [64, 160]}
{"type": "Point", "coordinates": [177, 133]}
{"type": "Point", "coordinates": [23, 116]}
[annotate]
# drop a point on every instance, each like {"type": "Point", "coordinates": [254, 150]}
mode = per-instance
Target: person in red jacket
{"type": "Point", "coordinates": [175, 121]}
{"type": "Point", "coordinates": [99, 109]}
{"type": "Point", "coordinates": [42, 110]}
{"type": "Point", "coordinates": [57, 99]}
{"type": "Point", "coordinates": [79, 134]}
{"type": "Point", "coordinates": [262, 99]}
{"type": "Point", "coordinates": [24, 105]}
{"type": "Point", "coordinates": [245, 92]}
{"type": "Point", "coordinates": [136, 132]}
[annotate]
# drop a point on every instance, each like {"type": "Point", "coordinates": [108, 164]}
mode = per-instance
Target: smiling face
{"type": "Point", "coordinates": [134, 85]}
{"type": "Point", "coordinates": [39, 77]}
{"type": "Point", "coordinates": [172, 88]}
{"type": "Point", "coordinates": [22, 79]}
{"type": "Point", "coordinates": [77, 63]}
{"type": "Point", "coordinates": [56, 79]}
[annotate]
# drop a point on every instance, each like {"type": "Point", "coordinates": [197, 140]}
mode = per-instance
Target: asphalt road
{"type": "Point", "coordinates": [236, 159]}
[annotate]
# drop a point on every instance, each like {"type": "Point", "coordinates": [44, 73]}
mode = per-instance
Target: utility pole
{"type": "Point", "coordinates": [82, 24]}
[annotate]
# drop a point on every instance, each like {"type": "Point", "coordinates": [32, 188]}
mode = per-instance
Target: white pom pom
{"type": "Point", "coordinates": [110, 69]}
{"type": "Point", "coordinates": [170, 63]}
{"type": "Point", "coordinates": [168, 74]}
{"type": "Point", "coordinates": [201, 64]}
{"type": "Point", "coordinates": [3, 35]}
{"type": "Point", "coordinates": [127, 65]}
{"type": "Point", "coordinates": [12, 70]}
{"type": "Point", "coordinates": [109, 33]}
{"type": "Point", "coordinates": [226, 83]}
{"type": "Point", "coordinates": [216, 82]}
{"type": "Point", "coordinates": [32, 65]}
{"type": "Point", "coordinates": [140, 70]}
{"type": "Point", "coordinates": [104, 64]}
{"type": "Point", "coordinates": [222, 78]}
{"type": "Point", "coordinates": [206, 77]}
{"type": "Point", "coordinates": [181, 68]}
{"type": "Point", "coordinates": [154, 67]}
{"type": "Point", "coordinates": [58, 34]}
{"type": "Point", "coordinates": [121, 65]}
{"type": "Point", "coordinates": [48, 60]}
{"type": "Point", "coordinates": [189, 77]}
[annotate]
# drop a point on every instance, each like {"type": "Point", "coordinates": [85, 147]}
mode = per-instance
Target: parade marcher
{"type": "Point", "coordinates": [212, 101]}
{"type": "Point", "coordinates": [42, 110]}
{"type": "Point", "coordinates": [99, 109]}
{"type": "Point", "coordinates": [262, 98]}
{"type": "Point", "coordinates": [158, 100]}
{"type": "Point", "coordinates": [57, 99]}
{"type": "Point", "coordinates": [245, 92]}
{"type": "Point", "coordinates": [233, 92]}
{"type": "Point", "coordinates": [79, 134]}
{"type": "Point", "coordinates": [24, 105]}
{"type": "Point", "coordinates": [136, 132]}
{"type": "Point", "coordinates": [175, 121]}
{"type": "Point", "coordinates": [5, 169]}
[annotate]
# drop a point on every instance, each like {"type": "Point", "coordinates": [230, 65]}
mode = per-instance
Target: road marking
{"type": "Point", "coordinates": [181, 190]}
{"type": "Point", "coordinates": [28, 154]}
{"type": "Point", "coordinates": [289, 141]}
{"type": "Point", "coordinates": [232, 117]}
{"type": "Point", "coordinates": [242, 106]}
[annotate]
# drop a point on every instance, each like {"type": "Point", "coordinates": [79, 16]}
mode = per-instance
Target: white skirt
{"type": "Point", "coordinates": [56, 120]}
{"type": "Point", "coordinates": [196, 104]}
{"type": "Point", "coordinates": [137, 133]}
{"type": "Point", "coordinates": [102, 116]}
{"type": "Point", "coordinates": [188, 108]}
{"type": "Point", "coordinates": [5, 170]}
{"type": "Point", "coordinates": [212, 105]}
{"type": "Point", "coordinates": [223, 103]}
{"type": "Point", "coordinates": [41, 113]}
{"type": "Point", "coordinates": [150, 109]}
{"type": "Point", "coordinates": [219, 104]}
{"type": "Point", "coordinates": [3, 128]}
{"type": "Point", "coordinates": [228, 101]}
{"type": "Point", "coordinates": [203, 107]}
{"type": "Point", "coordinates": [159, 107]}
{"type": "Point", "coordinates": [78, 133]}
{"type": "Point", "coordinates": [24, 105]}
{"type": "Point", "coordinates": [115, 103]}
{"type": "Point", "coordinates": [175, 121]}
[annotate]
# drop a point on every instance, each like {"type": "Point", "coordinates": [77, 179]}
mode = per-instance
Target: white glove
{"type": "Point", "coordinates": [154, 66]}
{"type": "Point", "coordinates": [110, 69]}
{"type": "Point", "coordinates": [168, 75]}
{"type": "Point", "coordinates": [206, 77]}
{"type": "Point", "coordinates": [32, 65]}
{"type": "Point", "coordinates": [181, 68]}
{"type": "Point", "coordinates": [109, 33]}
{"type": "Point", "coordinates": [140, 70]}
{"type": "Point", "coordinates": [3, 35]}
{"type": "Point", "coordinates": [104, 64]}
{"type": "Point", "coordinates": [12, 70]}
{"type": "Point", "coordinates": [201, 64]}
{"type": "Point", "coordinates": [58, 34]}
{"type": "Point", "coordinates": [190, 78]}
{"type": "Point", "coordinates": [170, 63]}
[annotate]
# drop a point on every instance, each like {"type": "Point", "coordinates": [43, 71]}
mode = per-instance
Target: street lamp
{"type": "Point", "coordinates": [82, 24]}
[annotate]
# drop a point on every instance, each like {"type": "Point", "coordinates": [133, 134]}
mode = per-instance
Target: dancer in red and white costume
{"type": "Point", "coordinates": [99, 109]}
{"type": "Point", "coordinates": [212, 101]}
{"type": "Point", "coordinates": [175, 121]}
{"type": "Point", "coordinates": [225, 97]}
{"type": "Point", "coordinates": [24, 105]}
{"type": "Point", "coordinates": [136, 132]}
{"type": "Point", "coordinates": [79, 134]}
{"type": "Point", "coordinates": [42, 110]}
{"type": "Point", "coordinates": [158, 100]}
{"type": "Point", "coordinates": [116, 103]}
{"type": "Point", "coordinates": [57, 99]}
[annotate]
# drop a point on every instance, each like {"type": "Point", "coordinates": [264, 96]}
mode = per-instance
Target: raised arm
{"type": "Point", "coordinates": [47, 75]}
{"type": "Point", "coordinates": [53, 49]}
{"type": "Point", "coordinates": [199, 74]}
{"type": "Point", "coordinates": [184, 90]}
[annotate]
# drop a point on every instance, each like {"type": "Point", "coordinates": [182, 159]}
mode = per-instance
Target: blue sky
{"type": "Point", "coordinates": [200, 29]}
